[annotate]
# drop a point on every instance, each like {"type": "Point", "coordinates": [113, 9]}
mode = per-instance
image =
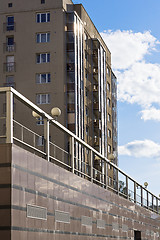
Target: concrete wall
{"type": "Point", "coordinates": [70, 207]}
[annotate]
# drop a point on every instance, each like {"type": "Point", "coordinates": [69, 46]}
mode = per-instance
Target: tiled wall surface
{"type": "Point", "coordinates": [50, 203]}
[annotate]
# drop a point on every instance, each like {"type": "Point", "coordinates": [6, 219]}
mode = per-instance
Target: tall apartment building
{"type": "Point", "coordinates": [52, 53]}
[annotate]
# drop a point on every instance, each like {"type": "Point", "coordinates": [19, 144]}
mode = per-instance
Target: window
{"type": "Point", "coordinates": [87, 130]}
{"type": "Point", "coordinates": [109, 117]}
{"type": "Point", "coordinates": [43, 57]}
{"type": "Point", "coordinates": [108, 102]}
{"type": "Point", "coordinates": [10, 4]}
{"type": "Point", "coordinates": [43, 78]}
{"type": "Point", "coordinates": [109, 133]}
{"type": "Point", "coordinates": [108, 71]}
{"type": "Point", "coordinates": [10, 44]}
{"type": "Point", "coordinates": [86, 92]}
{"type": "Point", "coordinates": [10, 23]}
{"type": "Point", "coordinates": [10, 65]}
{"type": "Point", "coordinates": [108, 86]}
{"type": "Point", "coordinates": [87, 111]}
{"type": "Point", "coordinates": [43, 98]}
{"type": "Point", "coordinates": [42, 1]}
{"type": "Point", "coordinates": [43, 17]}
{"type": "Point", "coordinates": [10, 40]}
{"type": "Point", "coordinates": [109, 148]}
{"type": "Point", "coordinates": [40, 121]}
{"type": "Point", "coordinates": [42, 37]}
{"type": "Point", "coordinates": [9, 79]}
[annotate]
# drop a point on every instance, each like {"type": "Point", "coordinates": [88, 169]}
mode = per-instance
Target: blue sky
{"type": "Point", "coordinates": [131, 31]}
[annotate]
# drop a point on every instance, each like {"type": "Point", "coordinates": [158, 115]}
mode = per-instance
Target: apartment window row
{"type": "Point", "coordinates": [40, 18]}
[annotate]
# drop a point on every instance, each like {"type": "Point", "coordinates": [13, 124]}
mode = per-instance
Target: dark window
{"type": "Point", "coordinates": [137, 235]}
{"type": "Point", "coordinates": [10, 4]}
{"type": "Point", "coordinates": [10, 23]}
{"type": "Point", "coordinates": [10, 41]}
{"type": "Point", "coordinates": [42, 1]}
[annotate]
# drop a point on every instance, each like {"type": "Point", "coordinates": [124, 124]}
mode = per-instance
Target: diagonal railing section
{"type": "Point", "coordinates": [51, 140]}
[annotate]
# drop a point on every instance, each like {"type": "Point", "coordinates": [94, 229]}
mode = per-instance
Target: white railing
{"type": "Point", "coordinates": [78, 157]}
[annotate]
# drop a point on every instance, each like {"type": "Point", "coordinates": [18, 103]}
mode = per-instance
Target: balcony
{"type": "Point", "coordinates": [9, 48]}
{"type": "Point", "coordinates": [10, 67]}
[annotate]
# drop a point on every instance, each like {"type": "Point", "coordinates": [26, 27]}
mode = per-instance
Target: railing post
{"type": "Point", "coordinates": [91, 165]}
{"type": "Point", "coordinates": [106, 172]}
{"type": "Point", "coordinates": [141, 196]}
{"type": "Point", "coordinates": [135, 195]}
{"type": "Point", "coordinates": [152, 202]}
{"type": "Point", "coordinates": [127, 187]}
{"type": "Point", "coordinates": [46, 138]}
{"type": "Point", "coordinates": [156, 204]}
{"type": "Point", "coordinates": [9, 117]}
{"type": "Point", "coordinates": [147, 200]}
{"type": "Point", "coordinates": [117, 182]}
{"type": "Point", "coordinates": [72, 152]}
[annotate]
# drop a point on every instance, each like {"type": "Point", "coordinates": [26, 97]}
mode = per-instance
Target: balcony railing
{"type": "Point", "coordinates": [9, 48]}
{"type": "Point", "coordinates": [75, 156]}
{"type": "Point", "coordinates": [10, 67]}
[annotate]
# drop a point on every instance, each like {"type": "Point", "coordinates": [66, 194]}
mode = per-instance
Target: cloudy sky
{"type": "Point", "coordinates": [131, 31]}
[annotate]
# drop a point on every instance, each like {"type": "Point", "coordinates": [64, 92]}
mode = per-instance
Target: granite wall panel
{"type": "Point", "coordinates": [36, 182]}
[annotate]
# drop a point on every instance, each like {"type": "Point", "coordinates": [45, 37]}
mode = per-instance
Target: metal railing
{"type": "Point", "coordinates": [10, 67]}
{"type": "Point", "coordinates": [75, 156]}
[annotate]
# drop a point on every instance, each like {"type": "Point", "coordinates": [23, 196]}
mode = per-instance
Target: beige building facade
{"type": "Point", "coordinates": [52, 53]}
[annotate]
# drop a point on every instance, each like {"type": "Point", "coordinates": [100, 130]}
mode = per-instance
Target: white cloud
{"type": "Point", "coordinates": [138, 149]}
{"type": "Point", "coordinates": [128, 47]}
{"type": "Point", "coordinates": [150, 114]}
{"type": "Point", "coordinates": [138, 81]}
{"type": "Point", "coordinates": [140, 84]}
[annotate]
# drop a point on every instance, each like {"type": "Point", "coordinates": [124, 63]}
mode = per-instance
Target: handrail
{"type": "Point", "coordinates": [10, 92]}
